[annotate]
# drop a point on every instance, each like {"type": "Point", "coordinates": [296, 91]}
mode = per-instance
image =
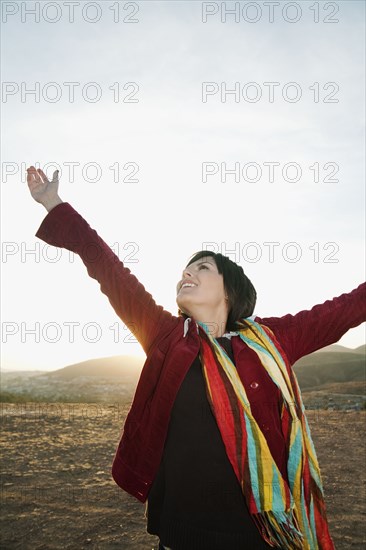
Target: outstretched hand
{"type": "Point", "coordinates": [42, 189]}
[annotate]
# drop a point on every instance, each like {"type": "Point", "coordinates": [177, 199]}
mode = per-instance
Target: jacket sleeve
{"type": "Point", "coordinates": [64, 227]}
{"type": "Point", "coordinates": [322, 325]}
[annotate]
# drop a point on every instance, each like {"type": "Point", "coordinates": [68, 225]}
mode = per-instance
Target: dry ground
{"type": "Point", "coordinates": [57, 491]}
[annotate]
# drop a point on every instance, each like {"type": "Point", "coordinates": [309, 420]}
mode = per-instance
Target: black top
{"type": "Point", "coordinates": [195, 500]}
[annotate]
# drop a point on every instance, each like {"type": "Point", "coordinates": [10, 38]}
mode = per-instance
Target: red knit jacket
{"type": "Point", "coordinates": [171, 344]}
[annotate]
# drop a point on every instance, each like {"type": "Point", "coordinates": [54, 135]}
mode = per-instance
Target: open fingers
{"type": "Point", "coordinates": [35, 178]}
{"type": "Point", "coordinates": [31, 174]}
{"type": "Point", "coordinates": [43, 175]}
{"type": "Point", "coordinates": [34, 175]}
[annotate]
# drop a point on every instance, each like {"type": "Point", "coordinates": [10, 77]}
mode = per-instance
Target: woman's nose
{"type": "Point", "coordinates": [187, 273]}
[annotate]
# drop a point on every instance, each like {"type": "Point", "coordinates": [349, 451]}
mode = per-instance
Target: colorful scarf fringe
{"type": "Point", "coordinates": [288, 515]}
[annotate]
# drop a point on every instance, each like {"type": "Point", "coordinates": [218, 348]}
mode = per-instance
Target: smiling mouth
{"type": "Point", "coordinates": [187, 285]}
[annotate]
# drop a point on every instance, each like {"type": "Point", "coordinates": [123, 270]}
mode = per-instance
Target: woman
{"type": "Point", "coordinates": [216, 441]}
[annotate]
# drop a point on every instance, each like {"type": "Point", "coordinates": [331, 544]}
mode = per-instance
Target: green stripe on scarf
{"type": "Point", "coordinates": [288, 515]}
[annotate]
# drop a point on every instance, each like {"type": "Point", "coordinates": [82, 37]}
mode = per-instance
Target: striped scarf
{"type": "Point", "coordinates": [289, 515]}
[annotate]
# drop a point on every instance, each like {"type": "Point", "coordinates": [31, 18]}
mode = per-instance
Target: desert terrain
{"type": "Point", "coordinates": [58, 493]}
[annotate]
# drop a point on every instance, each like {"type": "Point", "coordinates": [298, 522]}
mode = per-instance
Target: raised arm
{"type": "Point", "coordinates": [64, 227]}
{"type": "Point", "coordinates": [322, 325]}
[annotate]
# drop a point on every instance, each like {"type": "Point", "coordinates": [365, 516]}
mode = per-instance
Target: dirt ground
{"type": "Point", "coordinates": [57, 490]}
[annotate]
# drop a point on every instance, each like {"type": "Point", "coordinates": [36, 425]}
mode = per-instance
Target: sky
{"type": "Point", "coordinates": [179, 126]}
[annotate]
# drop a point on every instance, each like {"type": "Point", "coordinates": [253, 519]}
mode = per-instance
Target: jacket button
{"type": "Point", "coordinates": [254, 385]}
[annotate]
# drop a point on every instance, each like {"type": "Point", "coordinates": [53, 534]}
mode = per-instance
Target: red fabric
{"type": "Point", "coordinates": [170, 353]}
{"type": "Point", "coordinates": [224, 402]}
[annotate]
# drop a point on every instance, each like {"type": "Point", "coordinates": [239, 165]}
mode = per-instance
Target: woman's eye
{"type": "Point", "coordinates": [205, 266]}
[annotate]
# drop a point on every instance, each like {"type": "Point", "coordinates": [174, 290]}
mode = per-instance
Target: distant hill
{"type": "Point", "coordinates": [106, 379]}
{"type": "Point", "coordinates": [361, 349]}
{"type": "Point", "coordinates": [322, 367]}
{"type": "Point", "coordinates": [338, 347]}
{"type": "Point", "coordinates": [120, 367]}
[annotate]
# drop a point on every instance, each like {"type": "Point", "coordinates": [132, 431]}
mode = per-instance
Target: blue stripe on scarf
{"type": "Point", "coordinates": [312, 516]}
{"type": "Point", "coordinates": [308, 533]}
{"type": "Point", "coordinates": [252, 453]}
{"type": "Point", "coordinates": [278, 501]}
{"type": "Point", "coordinates": [293, 459]}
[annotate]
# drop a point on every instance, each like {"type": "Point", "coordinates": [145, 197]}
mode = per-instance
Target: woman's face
{"type": "Point", "coordinates": [206, 286]}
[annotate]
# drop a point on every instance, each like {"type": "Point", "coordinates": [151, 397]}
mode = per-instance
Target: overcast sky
{"type": "Point", "coordinates": [134, 106]}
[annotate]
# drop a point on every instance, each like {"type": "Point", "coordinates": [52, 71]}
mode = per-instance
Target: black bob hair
{"type": "Point", "coordinates": [241, 293]}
